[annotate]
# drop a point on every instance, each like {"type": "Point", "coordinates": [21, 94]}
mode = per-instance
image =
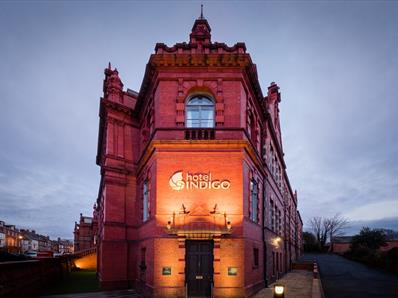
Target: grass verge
{"type": "Point", "coordinates": [82, 281]}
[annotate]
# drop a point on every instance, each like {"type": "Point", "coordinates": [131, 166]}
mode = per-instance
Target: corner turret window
{"type": "Point", "coordinates": [253, 200]}
{"type": "Point", "coordinates": [199, 112]}
{"type": "Point", "coordinates": [145, 201]}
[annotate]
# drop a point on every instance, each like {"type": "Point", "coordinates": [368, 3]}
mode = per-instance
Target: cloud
{"type": "Point", "coordinates": [337, 75]}
{"type": "Point", "coordinates": [374, 211]}
{"type": "Point", "coordinates": [44, 199]}
{"type": "Point", "coordinates": [388, 222]}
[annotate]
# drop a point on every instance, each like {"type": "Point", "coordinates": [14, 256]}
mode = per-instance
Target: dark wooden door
{"type": "Point", "coordinates": [199, 267]}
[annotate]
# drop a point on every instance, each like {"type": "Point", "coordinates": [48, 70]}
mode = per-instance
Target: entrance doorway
{"type": "Point", "coordinates": [199, 267]}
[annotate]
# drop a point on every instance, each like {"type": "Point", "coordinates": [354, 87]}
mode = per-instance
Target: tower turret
{"type": "Point", "coordinates": [200, 31]}
{"type": "Point", "coordinates": [113, 86]}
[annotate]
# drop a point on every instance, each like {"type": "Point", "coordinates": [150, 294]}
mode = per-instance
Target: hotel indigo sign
{"type": "Point", "coordinates": [179, 181]}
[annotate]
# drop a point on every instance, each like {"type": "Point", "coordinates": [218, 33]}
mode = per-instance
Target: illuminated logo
{"type": "Point", "coordinates": [176, 181]}
{"type": "Point", "coordinates": [196, 181]}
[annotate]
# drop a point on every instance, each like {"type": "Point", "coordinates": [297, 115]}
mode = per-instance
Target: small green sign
{"type": "Point", "coordinates": [166, 271]}
{"type": "Point", "coordinates": [232, 271]}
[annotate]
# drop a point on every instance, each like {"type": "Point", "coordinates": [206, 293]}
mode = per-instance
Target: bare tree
{"type": "Point", "coordinates": [316, 224]}
{"type": "Point", "coordinates": [325, 228]}
{"type": "Point", "coordinates": [336, 224]}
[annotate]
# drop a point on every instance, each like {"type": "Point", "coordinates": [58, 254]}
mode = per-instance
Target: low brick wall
{"type": "Point", "coordinates": [28, 278]}
{"type": "Point", "coordinates": [309, 266]}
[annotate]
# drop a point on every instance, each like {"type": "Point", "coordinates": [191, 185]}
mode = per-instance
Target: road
{"type": "Point", "coordinates": [342, 278]}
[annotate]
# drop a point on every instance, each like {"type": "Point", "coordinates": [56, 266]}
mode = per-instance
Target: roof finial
{"type": "Point", "coordinates": [201, 11]}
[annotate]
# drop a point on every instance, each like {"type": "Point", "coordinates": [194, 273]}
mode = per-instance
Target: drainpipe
{"type": "Point", "coordinates": [263, 236]}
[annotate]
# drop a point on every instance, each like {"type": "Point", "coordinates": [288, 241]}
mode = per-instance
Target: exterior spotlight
{"type": "Point", "coordinates": [229, 225]}
{"type": "Point", "coordinates": [279, 291]}
{"type": "Point", "coordinates": [168, 226]}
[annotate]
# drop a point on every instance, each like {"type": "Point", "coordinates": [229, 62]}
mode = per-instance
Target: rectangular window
{"type": "Point", "coordinates": [277, 262]}
{"type": "Point", "coordinates": [273, 263]}
{"type": "Point", "coordinates": [271, 215]}
{"type": "Point", "coordinates": [145, 201]}
{"type": "Point", "coordinates": [253, 201]}
{"type": "Point", "coordinates": [255, 257]}
{"type": "Point", "coordinates": [264, 206]}
{"type": "Point", "coordinates": [264, 151]}
{"type": "Point", "coordinates": [280, 222]}
{"type": "Point", "coordinates": [142, 264]}
{"type": "Point", "coordinates": [271, 159]}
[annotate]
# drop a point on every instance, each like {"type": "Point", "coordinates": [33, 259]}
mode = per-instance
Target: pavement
{"type": "Point", "coordinates": [343, 278]}
{"type": "Point", "coordinates": [298, 284]}
{"type": "Point", "coordinates": [109, 294]}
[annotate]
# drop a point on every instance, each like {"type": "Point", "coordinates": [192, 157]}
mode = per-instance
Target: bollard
{"type": "Point", "coordinates": [279, 291]}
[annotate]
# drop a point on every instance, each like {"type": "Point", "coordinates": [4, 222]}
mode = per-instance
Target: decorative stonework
{"type": "Point", "coordinates": [200, 60]}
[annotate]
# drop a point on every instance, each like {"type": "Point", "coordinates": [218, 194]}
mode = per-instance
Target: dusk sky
{"type": "Point", "coordinates": [336, 64]}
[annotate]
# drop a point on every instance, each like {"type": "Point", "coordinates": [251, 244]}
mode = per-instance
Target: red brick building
{"type": "Point", "coordinates": [194, 194]}
{"type": "Point", "coordinates": [85, 233]}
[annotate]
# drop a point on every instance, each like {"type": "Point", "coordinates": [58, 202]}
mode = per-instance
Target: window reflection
{"type": "Point", "coordinates": [199, 112]}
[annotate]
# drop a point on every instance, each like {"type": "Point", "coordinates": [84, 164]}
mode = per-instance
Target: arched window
{"type": "Point", "coordinates": [199, 111]}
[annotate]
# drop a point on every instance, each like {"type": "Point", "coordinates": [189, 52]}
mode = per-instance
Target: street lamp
{"type": "Point", "coordinates": [20, 237]}
{"type": "Point", "coordinates": [279, 291]}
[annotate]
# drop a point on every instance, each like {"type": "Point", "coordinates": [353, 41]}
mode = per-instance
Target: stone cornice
{"type": "Point", "coordinates": [215, 47]}
{"type": "Point", "coordinates": [237, 59]}
{"type": "Point", "coordinates": [201, 59]}
{"type": "Point", "coordinates": [116, 106]}
{"type": "Point", "coordinates": [203, 145]}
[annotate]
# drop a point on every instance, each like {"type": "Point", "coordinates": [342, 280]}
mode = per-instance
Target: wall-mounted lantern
{"type": "Point", "coordinates": [229, 225]}
{"type": "Point", "coordinates": [168, 226]}
{"type": "Point", "coordinates": [275, 241]}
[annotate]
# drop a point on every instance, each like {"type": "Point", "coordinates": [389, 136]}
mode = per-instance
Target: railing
{"type": "Point", "coordinates": [195, 227]}
{"type": "Point", "coordinates": [200, 134]}
{"type": "Point", "coordinates": [84, 252]}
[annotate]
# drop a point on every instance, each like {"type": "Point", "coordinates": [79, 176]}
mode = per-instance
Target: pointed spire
{"type": "Point", "coordinates": [201, 30]}
{"type": "Point", "coordinates": [113, 86]}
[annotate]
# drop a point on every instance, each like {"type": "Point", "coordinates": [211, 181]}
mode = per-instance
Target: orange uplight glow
{"type": "Point", "coordinates": [199, 182]}
{"type": "Point", "coordinates": [87, 262]}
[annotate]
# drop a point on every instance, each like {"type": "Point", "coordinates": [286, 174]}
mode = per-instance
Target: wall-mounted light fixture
{"type": "Point", "coordinates": [275, 241]}
{"type": "Point", "coordinates": [229, 225]}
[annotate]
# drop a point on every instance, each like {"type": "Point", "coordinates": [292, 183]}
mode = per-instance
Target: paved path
{"type": "Point", "coordinates": [298, 284]}
{"type": "Point", "coordinates": [110, 294]}
{"type": "Point", "coordinates": [342, 278]}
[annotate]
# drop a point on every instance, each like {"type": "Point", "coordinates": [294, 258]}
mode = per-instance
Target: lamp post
{"type": "Point", "coordinates": [279, 291]}
{"type": "Point", "coordinates": [19, 243]}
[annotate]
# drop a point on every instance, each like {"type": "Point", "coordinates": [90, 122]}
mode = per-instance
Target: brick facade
{"type": "Point", "coordinates": [85, 233]}
{"type": "Point", "coordinates": [165, 182]}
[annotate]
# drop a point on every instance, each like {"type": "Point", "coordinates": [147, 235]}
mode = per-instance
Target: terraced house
{"type": "Point", "coordinates": [194, 196]}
